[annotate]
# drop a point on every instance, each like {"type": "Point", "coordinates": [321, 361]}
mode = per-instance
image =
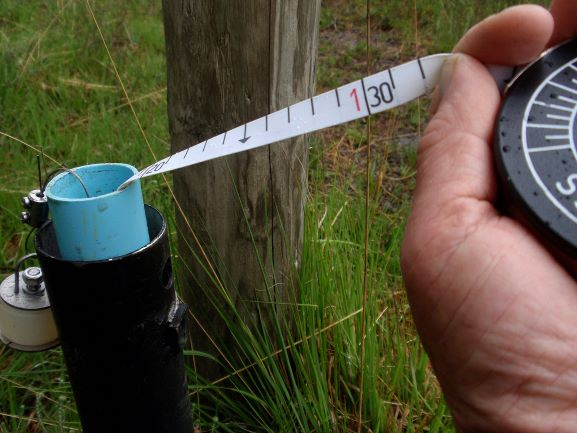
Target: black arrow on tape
{"type": "Point", "coordinates": [245, 139]}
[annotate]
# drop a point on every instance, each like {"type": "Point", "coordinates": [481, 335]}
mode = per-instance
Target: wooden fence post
{"type": "Point", "coordinates": [229, 62]}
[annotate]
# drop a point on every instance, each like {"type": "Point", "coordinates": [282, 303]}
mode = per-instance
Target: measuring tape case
{"type": "Point", "coordinates": [535, 147]}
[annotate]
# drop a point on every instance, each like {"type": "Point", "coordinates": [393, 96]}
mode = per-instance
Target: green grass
{"type": "Point", "coordinates": [60, 94]}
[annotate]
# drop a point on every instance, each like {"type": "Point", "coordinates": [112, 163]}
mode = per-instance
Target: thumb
{"type": "Point", "coordinates": [455, 176]}
{"type": "Point", "coordinates": [455, 157]}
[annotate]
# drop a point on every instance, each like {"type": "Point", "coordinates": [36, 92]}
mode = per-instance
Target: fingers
{"type": "Point", "coordinates": [564, 13]}
{"type": "Point", "coordinates": [455, 158]}
{"type": "Point", "coordinates": [512, 37]}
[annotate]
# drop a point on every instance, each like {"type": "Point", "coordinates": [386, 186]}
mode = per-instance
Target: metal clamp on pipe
{"type": "Point", "coordinates": [36, 208]}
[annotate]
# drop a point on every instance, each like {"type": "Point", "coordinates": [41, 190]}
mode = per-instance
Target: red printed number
{"type": "Point", "coordinates": [354, 94]}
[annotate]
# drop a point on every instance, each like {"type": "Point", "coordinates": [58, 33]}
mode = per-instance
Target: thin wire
{"type": "Point", "coordinates": [34, 148]}
{"type": "Point", "coordinates": [41, 36]}
{"type": "Point", "coordinates": [47, 179]}
{"type": "Point", "coordinates": [366, 252]}
{"type": "Point", "coordinates": [39, 166]}
{"type": "Point", "coordinates": [117, 74]}
{"type": "Point", "coordinates": [79, 179]}
{"type": "Point", "coordinates": [28, 236]}
{"type": "Point", "coordinates": [68, 170]}
{"type": "Point", "coordinates": [43, 163]}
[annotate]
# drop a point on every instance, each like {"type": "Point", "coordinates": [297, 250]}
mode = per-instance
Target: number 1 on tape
{"type": "Point", "coordinates": [370, 95]}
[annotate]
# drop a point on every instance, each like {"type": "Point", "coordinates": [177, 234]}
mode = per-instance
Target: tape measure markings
{"type": "Point", "coordinates": [354, 92]}
{"type": "Point", "coordinates": [559, 117]}
{"type": "Point", "coordinates": [552, 81]}
{"type": "Point", "coordinates": [421, 69]}
{"type": "Point", "coordinates": [546, 126]}
{"type": "Point", "coordinates": [382, 91]}
{"type": "Point", "coordinates": [548, 148]}
{"type": "Point", "coordinates": [566, 88]}
{"type": "Point", "coordinates": [536, 146]}
{"type": "Point", "coordinates": [554, 106]}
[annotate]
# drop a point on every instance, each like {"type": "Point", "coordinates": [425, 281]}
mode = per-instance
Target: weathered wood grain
{"type": "Point", "coordinates": [229, 62]}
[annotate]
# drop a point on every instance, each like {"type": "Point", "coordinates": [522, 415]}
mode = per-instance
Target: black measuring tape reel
{"type": "Point", "coordinates": [535, 146]}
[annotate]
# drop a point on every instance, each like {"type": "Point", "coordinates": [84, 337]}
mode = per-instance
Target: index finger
{"type": "Point", "coordinates": [514, 36]}
{"type": "Point", "coordinates": [565, 15]}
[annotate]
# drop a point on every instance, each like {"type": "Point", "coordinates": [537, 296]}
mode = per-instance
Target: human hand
{"type": "Point", "coordinates": [496, 312]}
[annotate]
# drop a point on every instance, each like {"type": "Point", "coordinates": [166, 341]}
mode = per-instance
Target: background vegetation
{"type": "Point", "coordinates": [59, 93]}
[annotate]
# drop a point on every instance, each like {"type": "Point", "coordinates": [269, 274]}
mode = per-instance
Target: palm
{"type": "Point", "coordinates": [486, 333]}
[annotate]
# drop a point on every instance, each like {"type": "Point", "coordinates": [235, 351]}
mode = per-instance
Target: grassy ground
{"type": "Point", "coordinates": [60, 94]}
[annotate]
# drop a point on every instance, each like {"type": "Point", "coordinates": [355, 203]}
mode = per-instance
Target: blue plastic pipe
{"type": "Point", "coordinates": [92, 220]}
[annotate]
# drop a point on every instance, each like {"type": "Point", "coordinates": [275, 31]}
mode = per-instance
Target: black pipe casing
{"type": "Point", "coordinates": [122, 332]}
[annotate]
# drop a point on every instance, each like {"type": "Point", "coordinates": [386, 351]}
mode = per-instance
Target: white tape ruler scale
{"type": "Point", "coordinates": [535, 137]}
{"type": "Point", "coordinates": [370, 95]}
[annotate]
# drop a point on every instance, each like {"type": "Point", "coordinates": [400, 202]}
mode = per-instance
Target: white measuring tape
{"type": "Point", "coordinates": [370, 95]}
